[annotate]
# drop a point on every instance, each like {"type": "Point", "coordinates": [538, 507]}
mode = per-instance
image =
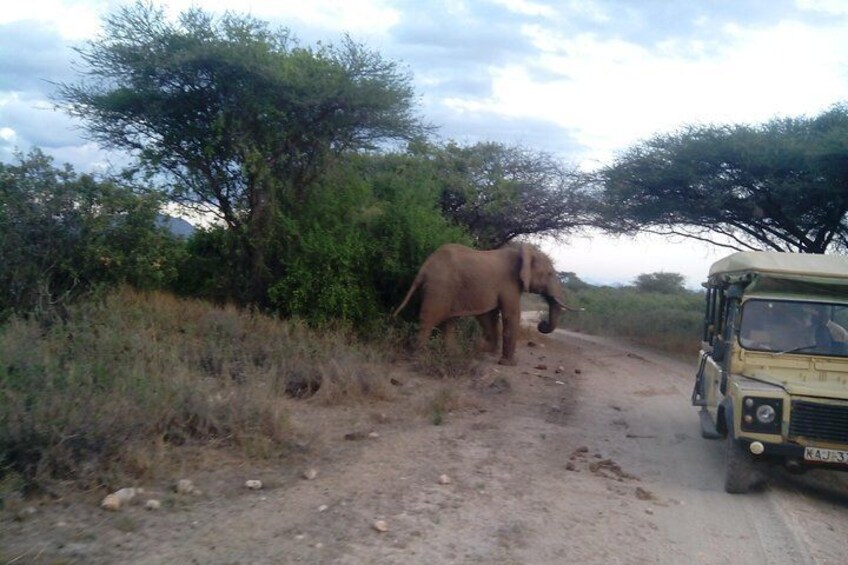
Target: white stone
{"type": "Point", "coordinates": [381, 526]}
{"type": "Point", "coordinates": [444, 480]}
{"type": "Point", "coordinates": [253, 484]}
{"type": "Point", "coordinates": [310, 474]}
{"type": "Point", "coordinates": [185, 486]}
{"type": "Point", "coordinates": [153, 504]}
{"type": "Point", "coordinates": [127, 494]}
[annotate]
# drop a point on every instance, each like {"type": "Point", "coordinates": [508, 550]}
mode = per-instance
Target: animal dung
{"type": "Point", "coordinates": [310, 474]}
{"type": "Point", "coordinates": [253, 484]}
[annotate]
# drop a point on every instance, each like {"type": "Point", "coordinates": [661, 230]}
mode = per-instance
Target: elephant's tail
{"type": "Point", "coordinates": [415, 284]}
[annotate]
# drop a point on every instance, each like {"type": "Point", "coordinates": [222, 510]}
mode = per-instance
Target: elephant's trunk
{"type": "Point", "coordinates": [549, 325]}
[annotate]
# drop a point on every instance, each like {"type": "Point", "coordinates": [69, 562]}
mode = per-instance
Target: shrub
{"type": "Point", "coordinates": [63, 234]}
{"type": "Point", "coordinates": [357, 242]}
{"type": "Point", "coordinates": [130, 375]}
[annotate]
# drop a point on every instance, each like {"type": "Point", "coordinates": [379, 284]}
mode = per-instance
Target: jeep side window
{"type": "Point", "coordinates": [713, 315]}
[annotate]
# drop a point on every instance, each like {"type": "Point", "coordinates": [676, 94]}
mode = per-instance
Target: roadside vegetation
{"type": "Point", "coordinates": [656, 311]}
{"type": "Point", "coordinates": [669, 323]}
{"type": "Point", "coordinates": [121, 342]}
{"type": "Point", "coordinates": [109, 392]}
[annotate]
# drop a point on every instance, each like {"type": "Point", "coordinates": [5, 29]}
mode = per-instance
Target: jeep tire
{"type": "Point", "coordinates": [740, 472]}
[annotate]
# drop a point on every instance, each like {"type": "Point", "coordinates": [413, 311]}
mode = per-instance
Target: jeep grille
{"type": "Point", "coordinates": [819, 421]}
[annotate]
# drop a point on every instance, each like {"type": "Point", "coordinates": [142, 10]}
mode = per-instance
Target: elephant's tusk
{"type": "Point", "coordinates": [565, 306]}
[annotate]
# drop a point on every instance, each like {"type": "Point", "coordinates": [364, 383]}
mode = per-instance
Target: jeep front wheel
{"type": "Point", "coordinates": [740, 473]}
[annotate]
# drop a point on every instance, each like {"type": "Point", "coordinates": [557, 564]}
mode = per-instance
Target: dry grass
{"type": "Point", "coordinates": [109, 393]}
{"type": "Point", "coordinates": [444, 401]}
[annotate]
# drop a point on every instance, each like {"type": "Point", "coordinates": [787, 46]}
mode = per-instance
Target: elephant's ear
{"type": "Point", "coordinates": [526, 263]}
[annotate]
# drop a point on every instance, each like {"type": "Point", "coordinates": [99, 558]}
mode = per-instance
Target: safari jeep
{"type": "Point", "coordinates": [773, 370]}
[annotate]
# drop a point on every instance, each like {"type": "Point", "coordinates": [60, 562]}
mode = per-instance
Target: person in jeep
{"type": "Point", "coordinates": [780, 326]}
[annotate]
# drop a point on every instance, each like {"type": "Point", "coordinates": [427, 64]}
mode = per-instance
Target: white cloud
{"type": "Point", "coordinates": [613, 92]}
{"type": "Point", "coordinates": [527, 8]}
{"type": "Point", "coordinates": [832, 7]}
{"type": "Point", "coordinates": [74, 19]}
{"type": "Point", "coordinates": [358, 17]}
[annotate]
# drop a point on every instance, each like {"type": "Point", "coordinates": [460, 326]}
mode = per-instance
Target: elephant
{"type": "Point", "coordinates": [459, 281]}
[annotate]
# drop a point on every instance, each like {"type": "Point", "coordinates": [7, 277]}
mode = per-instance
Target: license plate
{"type": "Point", "coordinates": [825, 455]}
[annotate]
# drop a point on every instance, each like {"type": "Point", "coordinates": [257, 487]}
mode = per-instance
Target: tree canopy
{"type": "Point", "coordinates": [661, 282]}
{"type": "Point", "coordinates": [500, 192]}
{"type": "Point", "coordinates": [224, 104]}
{"type": "Point", "coordinates": [780, 186]}
{"type": "Point", "coordinates": [239, 118]}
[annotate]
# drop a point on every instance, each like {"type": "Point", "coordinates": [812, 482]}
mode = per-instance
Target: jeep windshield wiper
{"type": "Point", "coordinates": [797, 349]}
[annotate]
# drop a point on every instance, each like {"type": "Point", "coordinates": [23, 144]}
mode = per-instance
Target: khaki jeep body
{"type": "Point", "coordinates": [773, 369]}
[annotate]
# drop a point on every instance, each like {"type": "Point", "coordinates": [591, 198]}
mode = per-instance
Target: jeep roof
{"type": "Point", "coordinates": [777, 263]}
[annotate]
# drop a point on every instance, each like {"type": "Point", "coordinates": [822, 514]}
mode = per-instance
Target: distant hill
{"type": "Point", "coordinates": [177, 226]}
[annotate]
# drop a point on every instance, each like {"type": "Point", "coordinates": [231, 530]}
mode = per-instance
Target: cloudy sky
{"type": "Point", "coordinates": [580, 78]}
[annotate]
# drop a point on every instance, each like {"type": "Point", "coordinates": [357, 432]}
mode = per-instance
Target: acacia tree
{"type": "Point", "coordinates": [661, 282]}
{"type": "Point", "coordinates": [237, 118]}
{"type": "Point", "coordinates": [782, 185]}
{"type": "Point", "coordinates": [500, 192]}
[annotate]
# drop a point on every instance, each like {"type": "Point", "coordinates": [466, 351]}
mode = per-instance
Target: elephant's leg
{"type": "Point", "coordinates": [425, 330]}
{"type": "Point", "coordinates": [511, 321]}
{"type": "Point", "coordinates": [448, 328]}
{"type": "Point", "coordinates": [489, 324]}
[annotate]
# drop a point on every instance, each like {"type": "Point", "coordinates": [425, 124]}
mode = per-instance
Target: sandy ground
{"type": "Point", "coordinates": [599, 463]}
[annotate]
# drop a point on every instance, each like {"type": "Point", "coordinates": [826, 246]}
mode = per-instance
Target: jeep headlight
{"type": "Point", "coordinates": [761, 415]}
{"type": "Point", "coordinates": [765, 414]}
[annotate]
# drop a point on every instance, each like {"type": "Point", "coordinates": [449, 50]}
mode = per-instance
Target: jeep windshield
{"type": "Point", "coordinates": [785, 326]}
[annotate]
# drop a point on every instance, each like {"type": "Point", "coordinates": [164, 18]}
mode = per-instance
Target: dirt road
{"type": "Point", "coordinates": [601, 462]}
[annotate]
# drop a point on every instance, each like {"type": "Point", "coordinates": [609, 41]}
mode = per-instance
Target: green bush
{"type": "Point", "coordinates": [215, 267]}
{"type": "Point", "coordinates": [357, 242]}
{"type": "Point", "coordinates": [63, 234]}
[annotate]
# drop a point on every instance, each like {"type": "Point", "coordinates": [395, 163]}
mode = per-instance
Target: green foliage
{"type": "Point", "coordinates": [61, 234]}
{"type": "Point", "coordinates": [214, 268]}
{"type": "Point", "coordinates": [671, 322]}
{"type": "Point", "coordinates": [359, 240]}
{"type": "Point", "coordinates": [501, 192]}
{"type": "Point", "coordinates": [237, 117]}
{"type": "Point", "coordinates": [108, 392]}
{"type": "Point", "coordinates": [662, 283]}
{"type": "Point", "coordinates": [776, 186]}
